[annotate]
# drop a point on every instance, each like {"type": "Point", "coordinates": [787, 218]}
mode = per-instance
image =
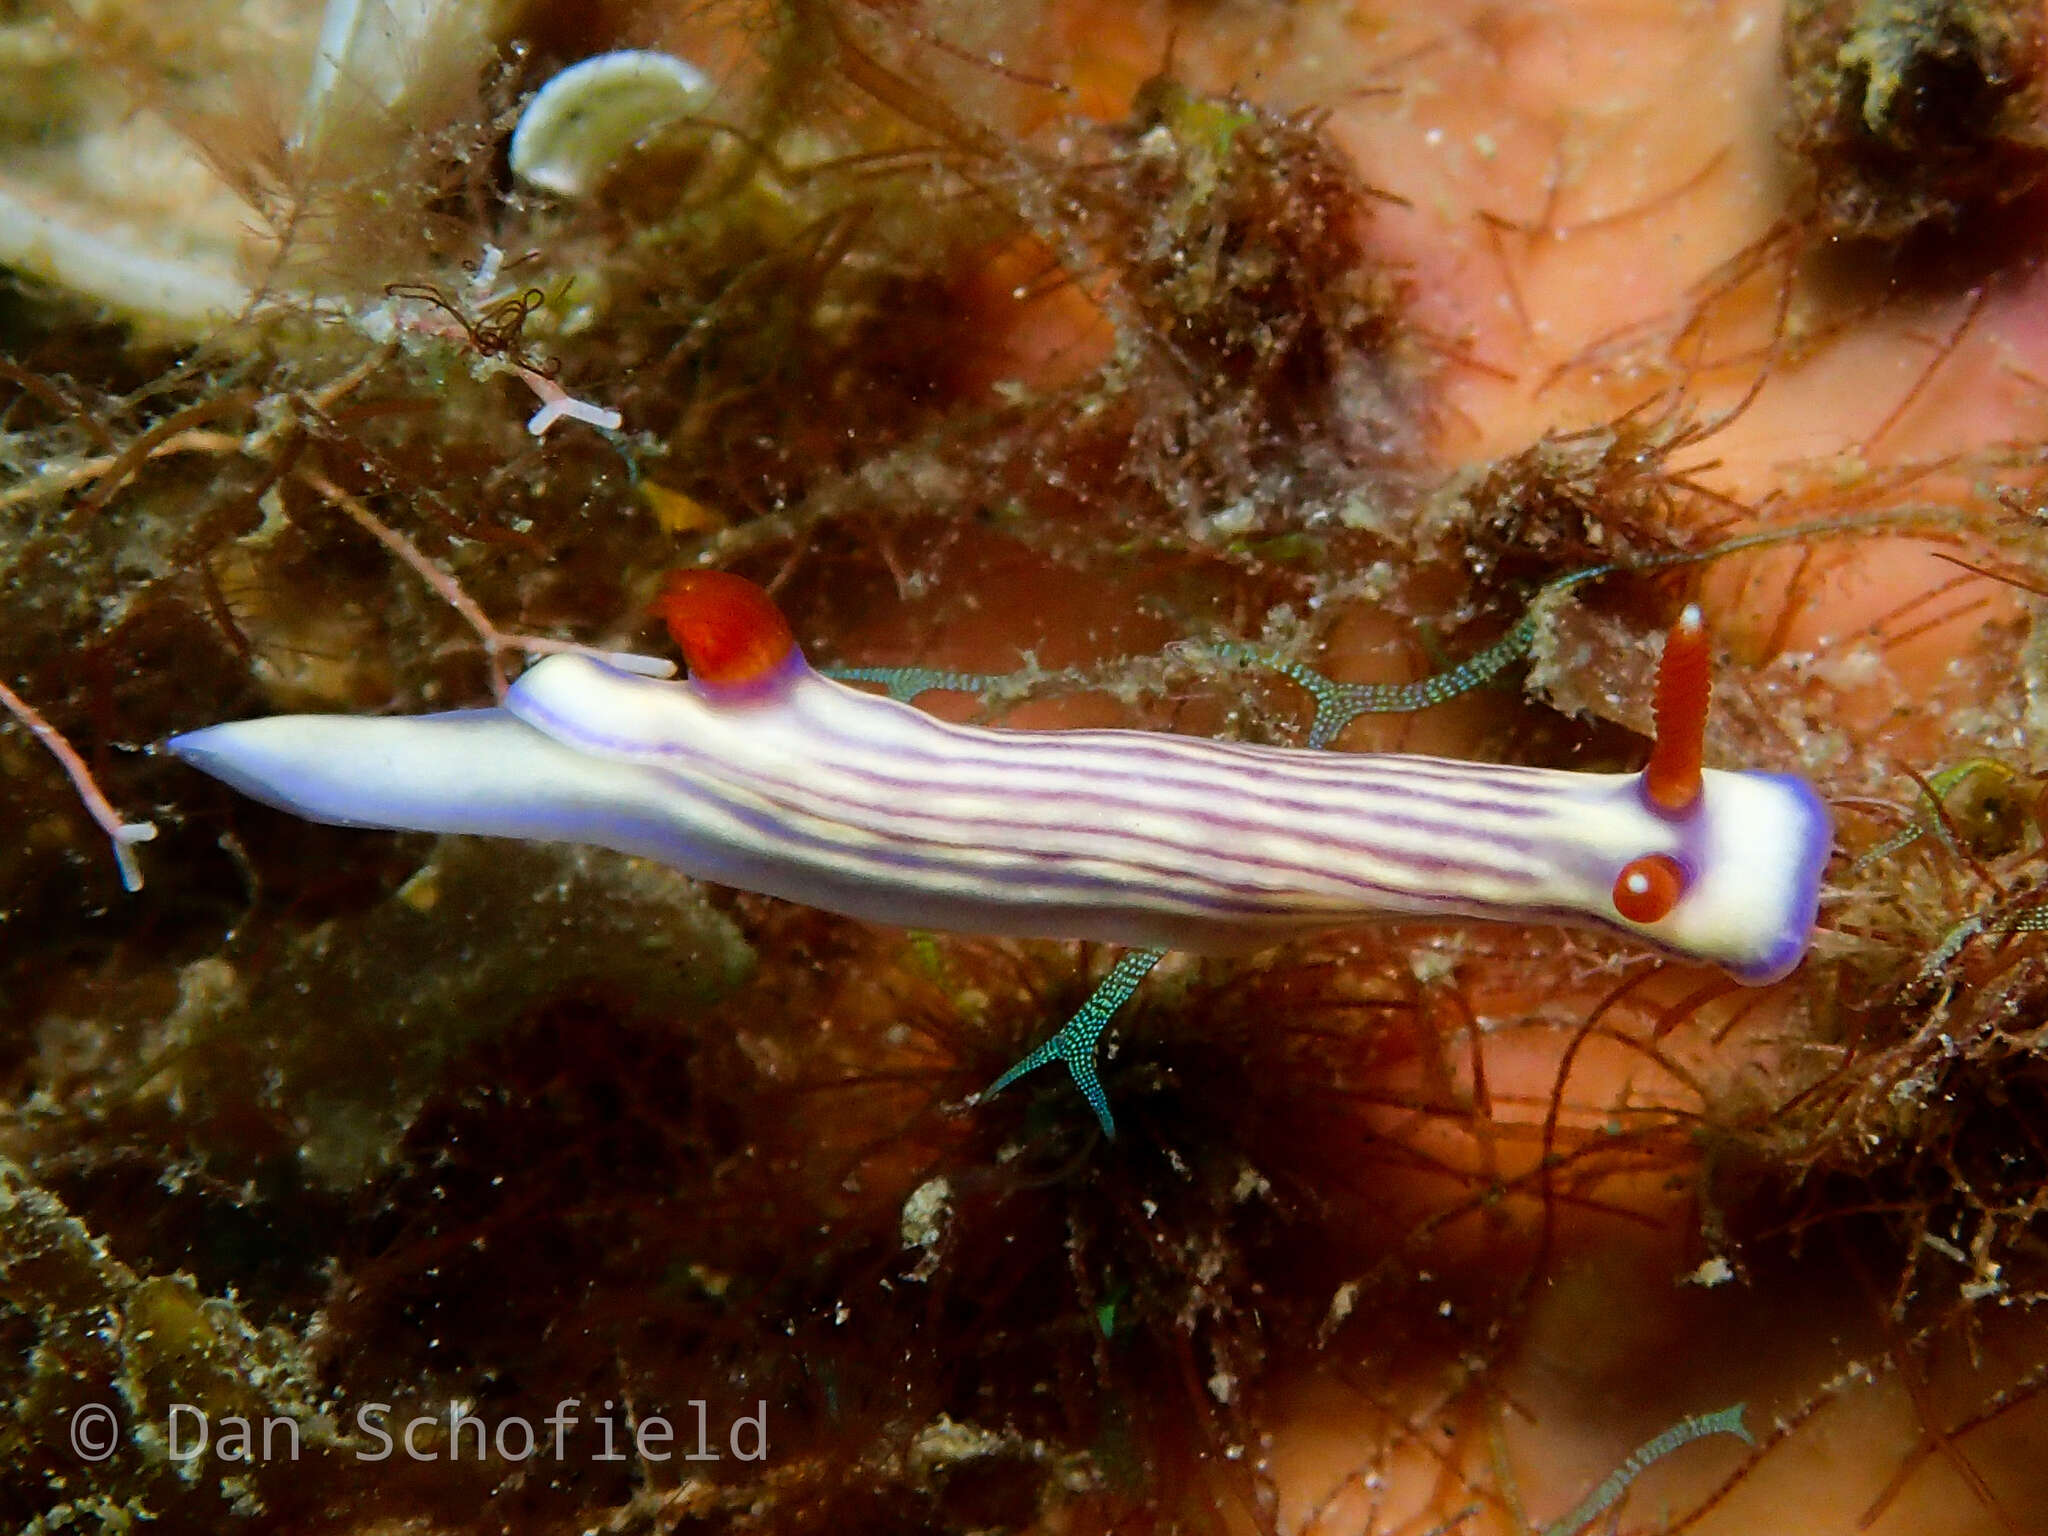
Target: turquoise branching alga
{"type": "Point", "coordinates": [1117, 368]}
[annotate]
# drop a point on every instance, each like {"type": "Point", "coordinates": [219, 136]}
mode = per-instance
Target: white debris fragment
{"type": "Point", "coordinates": [581, 122]}
{"type": "Point", "coordinates": [1715, 1271]}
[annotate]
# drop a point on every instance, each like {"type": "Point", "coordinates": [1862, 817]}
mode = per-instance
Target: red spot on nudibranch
{"type": "Point", "coordinates": [1671, 779]}
{"type": "Point", "coordinates": [1648, 888]}
{"type": "Point", "coordinates": [729, 630]}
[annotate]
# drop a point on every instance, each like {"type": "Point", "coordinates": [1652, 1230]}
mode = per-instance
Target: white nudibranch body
{"type": "Point", "coordinates": [799, 787]}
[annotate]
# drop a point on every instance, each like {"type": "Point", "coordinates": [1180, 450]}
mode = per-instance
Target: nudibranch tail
{"type": "Point", "coordinates": [1671, 780]}
{"type": "Point", "coordinates": [729, 630]}
{"type": "Point", "coordinates": [479, 771]}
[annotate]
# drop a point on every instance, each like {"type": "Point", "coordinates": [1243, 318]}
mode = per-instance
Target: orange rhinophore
{"type": "Point", "coordinates": [728, 629]}
{"type": "Point", "coordinates": [1671, 779]}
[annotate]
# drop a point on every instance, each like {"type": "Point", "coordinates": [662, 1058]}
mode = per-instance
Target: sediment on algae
{"type": "Point", "coordinates": [1909, 117]}
{"type": "Point", "coordinates": [327, 1118]}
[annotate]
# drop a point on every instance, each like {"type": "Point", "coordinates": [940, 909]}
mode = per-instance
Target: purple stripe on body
{"type": "Point", "coordinates": [806, 799]}
{"type": "Point", "coordinates": [1163, 746]}
{"type": "Point", "coordinates": [1150, 800]}
{"type": "Point", "coordinates": [1536, 801]}
{"type": "Point", "coordinates": [1260, 781]}
{"type": "Point", "coordinates": [1373, 773]}
{"type": "Point", "coordinates": [980, 831]}
{"type": "Point", "coordinates": [1028, 867]}
{"type": "Point", "coordinates": [1135, 876]}
{"type": "Point", "coordinates": [1512, 785]}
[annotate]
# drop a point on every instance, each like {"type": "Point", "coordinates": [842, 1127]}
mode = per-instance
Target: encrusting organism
{"type": "Point", "coordinates": [1904, 115]}
{"type": "Point", "coordinates": [760, 773]}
